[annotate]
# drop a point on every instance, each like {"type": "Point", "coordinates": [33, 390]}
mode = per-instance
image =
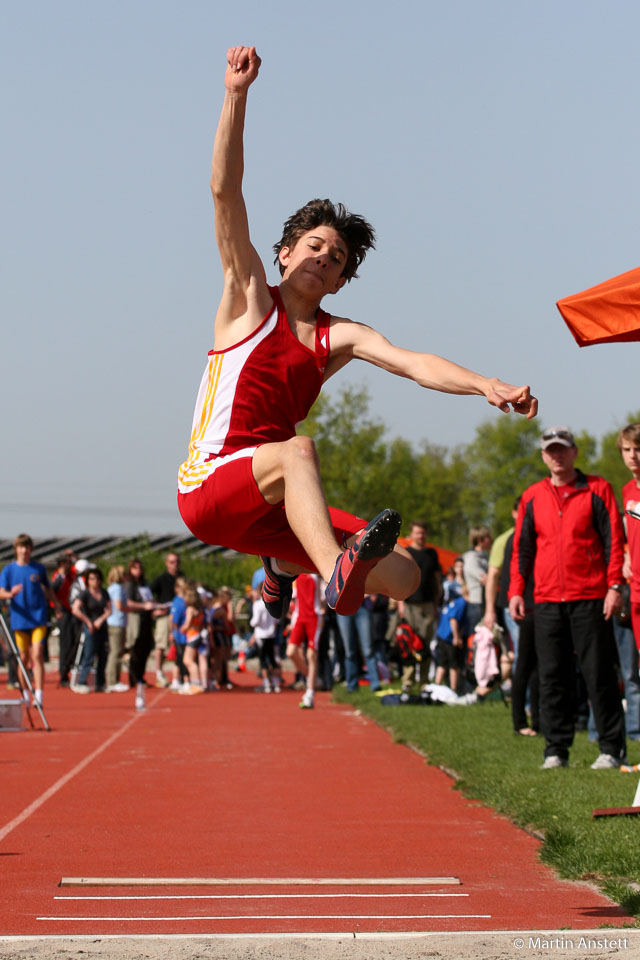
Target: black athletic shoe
{"type": "Point", "coordinates": [276, 590]}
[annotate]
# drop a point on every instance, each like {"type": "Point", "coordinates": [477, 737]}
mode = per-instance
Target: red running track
{"type": "Point", "coordinates": [243, 785]}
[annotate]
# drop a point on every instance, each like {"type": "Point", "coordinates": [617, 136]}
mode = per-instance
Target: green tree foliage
{"type": "Point", "coordinates": [501, 462]}
{"type": "Point", "coordinates": [229, 569]}
{"type": "Point", "coordinates": [438, 486]}
{"type": "Point", "coordinates": [353, 455]}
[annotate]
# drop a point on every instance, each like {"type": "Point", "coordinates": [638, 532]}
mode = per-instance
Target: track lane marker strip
{"type": "Point", "coordinates": [253, 881]}
{"type": "Point", "coordinates": [63, 781]}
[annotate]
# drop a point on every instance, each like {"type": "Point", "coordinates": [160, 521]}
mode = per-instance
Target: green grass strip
{"type": "Point", "coordinates": [502, 770]}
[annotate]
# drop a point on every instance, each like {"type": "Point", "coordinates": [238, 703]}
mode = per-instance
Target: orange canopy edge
{"type": "Point", "coordinates": [606, 313]}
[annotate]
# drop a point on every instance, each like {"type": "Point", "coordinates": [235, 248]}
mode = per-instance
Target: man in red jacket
{"type": "Point", "coordinates": [570, 533]}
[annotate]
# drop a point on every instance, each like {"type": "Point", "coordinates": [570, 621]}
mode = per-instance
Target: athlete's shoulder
{"type": "Point", "coordinates": [347, 334]}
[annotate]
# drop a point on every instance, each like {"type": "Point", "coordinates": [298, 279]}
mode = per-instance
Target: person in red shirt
{"type": "Point", "coordinates": [569, 532]}
{"type": "Point", "coordinates": [61, 584]}
{"type": "Point", "coordinates": [307, 622]}
{"type": "Point", "coordinates": [629, 447]}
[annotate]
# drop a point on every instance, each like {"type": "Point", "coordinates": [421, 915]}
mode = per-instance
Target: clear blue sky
{"type": "Point", "coordinates": [494, 145]}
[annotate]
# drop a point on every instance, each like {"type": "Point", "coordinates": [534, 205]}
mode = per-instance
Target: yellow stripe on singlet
{"type": "Point", "coordinates": [212, 386]}
{"type": "Point", "coordinates": [192, 468]}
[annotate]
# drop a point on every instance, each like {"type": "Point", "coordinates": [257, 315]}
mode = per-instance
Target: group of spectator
{"type": "Point", "coordinates": [555, 595]}
{"type": "Point", "coordinates": [99, 625]}
{"type": "Point", "coordinates": [560, 589]}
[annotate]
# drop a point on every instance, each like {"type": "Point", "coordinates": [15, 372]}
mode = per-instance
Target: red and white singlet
{"type": "Point", "coordinates": [254, 392]}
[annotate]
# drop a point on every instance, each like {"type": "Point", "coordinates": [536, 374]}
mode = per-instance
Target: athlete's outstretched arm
{"type": "Point", "coordinates": [240, 262]}
{"type": "Point", "coordinates": [351, 340]}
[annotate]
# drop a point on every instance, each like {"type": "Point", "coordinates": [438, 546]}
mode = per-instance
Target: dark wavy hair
{"type": "Point", "coordinates": [357, 233]}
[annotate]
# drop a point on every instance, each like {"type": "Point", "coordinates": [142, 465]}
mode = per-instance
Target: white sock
{"type": "Point", "coordinates": [38, 695]}
{"type": "Point", "coordinates": [26, 696]}
{"type": "Point", "coordinates": [279, 570]}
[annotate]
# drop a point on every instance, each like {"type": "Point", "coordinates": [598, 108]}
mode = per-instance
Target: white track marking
{"type": "Point", "coordinates": [293, 916]}
{"type": "Point", "coordinates": [268, 896]}
{"type": "Point", "coordinates": [63, 781]}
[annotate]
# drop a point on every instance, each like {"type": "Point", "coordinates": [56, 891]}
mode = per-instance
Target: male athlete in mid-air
{"type": "Point", "coordinates": [249, 482]}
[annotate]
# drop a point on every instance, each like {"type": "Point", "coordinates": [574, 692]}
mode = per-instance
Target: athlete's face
{"type": "Point", "coordinates": [631, 457]}
{"type": "Point", "coordinates": [317, 261]}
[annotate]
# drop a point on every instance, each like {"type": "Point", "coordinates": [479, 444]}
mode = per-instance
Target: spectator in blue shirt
{"type": "Point", "coordinates": [450, 634]}
{"type": "Point", "coordinates": [177, 617]}
{"type": "Point", "coordinates": [26, 585]}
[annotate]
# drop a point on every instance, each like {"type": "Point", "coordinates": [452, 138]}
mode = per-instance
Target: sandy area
{"type": "Point", "coordinates": [596, 945]}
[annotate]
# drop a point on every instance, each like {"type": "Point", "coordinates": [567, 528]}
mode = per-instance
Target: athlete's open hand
{"type": "Point", "coordinates": [243, 64]}
{"type": "Point", "coordinates": [505, 396]}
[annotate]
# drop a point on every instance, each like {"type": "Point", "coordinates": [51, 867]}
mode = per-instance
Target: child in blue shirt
{"type": "Point", "coordinates": [177, 616]}
{"type": "Point", "coordinates": [451, 632]}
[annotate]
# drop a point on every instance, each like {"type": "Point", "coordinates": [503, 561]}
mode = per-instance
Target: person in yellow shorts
{"type": "Point", "coordinates": [26, 585]}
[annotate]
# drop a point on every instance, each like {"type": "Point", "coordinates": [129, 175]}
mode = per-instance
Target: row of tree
{"type": "Point", "coordinates": [451, 489]}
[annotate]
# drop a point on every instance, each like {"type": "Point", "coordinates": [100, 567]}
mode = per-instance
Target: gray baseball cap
{"type": "Point", "coordinates": [561, 435]}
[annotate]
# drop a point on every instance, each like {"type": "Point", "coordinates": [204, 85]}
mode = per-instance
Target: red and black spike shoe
{"type": "Point", "coordinates": [345, 591]}
{"type": "Point", "coordinates": [276, 590]}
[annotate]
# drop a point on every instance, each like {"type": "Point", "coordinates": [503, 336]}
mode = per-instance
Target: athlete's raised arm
{"type": "Point", "coordinates": [351, 340]}
{"type": "Point", "coordinates": [245, 289]}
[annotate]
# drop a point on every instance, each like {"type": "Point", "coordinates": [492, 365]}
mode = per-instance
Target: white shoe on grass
{"type": "Point", "coordinates": [553, 763]}
{"type": "Point", "coordinates": [606, 762]}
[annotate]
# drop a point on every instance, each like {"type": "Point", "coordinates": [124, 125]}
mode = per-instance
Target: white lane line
{"type": "Point", "coordinates": [63, 781]}
{"type": "Point", "coordinates": [269, 896]}
{"type": "Point", "coordinates": [294, 916]}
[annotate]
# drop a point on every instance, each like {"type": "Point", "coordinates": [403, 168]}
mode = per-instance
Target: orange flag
{"type": "Point", "coordinates": [607, 313]}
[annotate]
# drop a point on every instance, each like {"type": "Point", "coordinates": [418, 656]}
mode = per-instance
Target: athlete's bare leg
{"type": "Point", "coordinates": [396, 575]}
{"type": "Point", "coordinates": [313, 669]}
{"type": "Point", "coordinates": [37, 661]}
{"type": "Point", "coordinates": [290, 471]}
{"type": "Point", "coordinates": [296, 656]}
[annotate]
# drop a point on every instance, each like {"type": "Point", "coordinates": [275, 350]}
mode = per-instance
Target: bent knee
{"type": "Point", "coordinates": [301, 447]}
